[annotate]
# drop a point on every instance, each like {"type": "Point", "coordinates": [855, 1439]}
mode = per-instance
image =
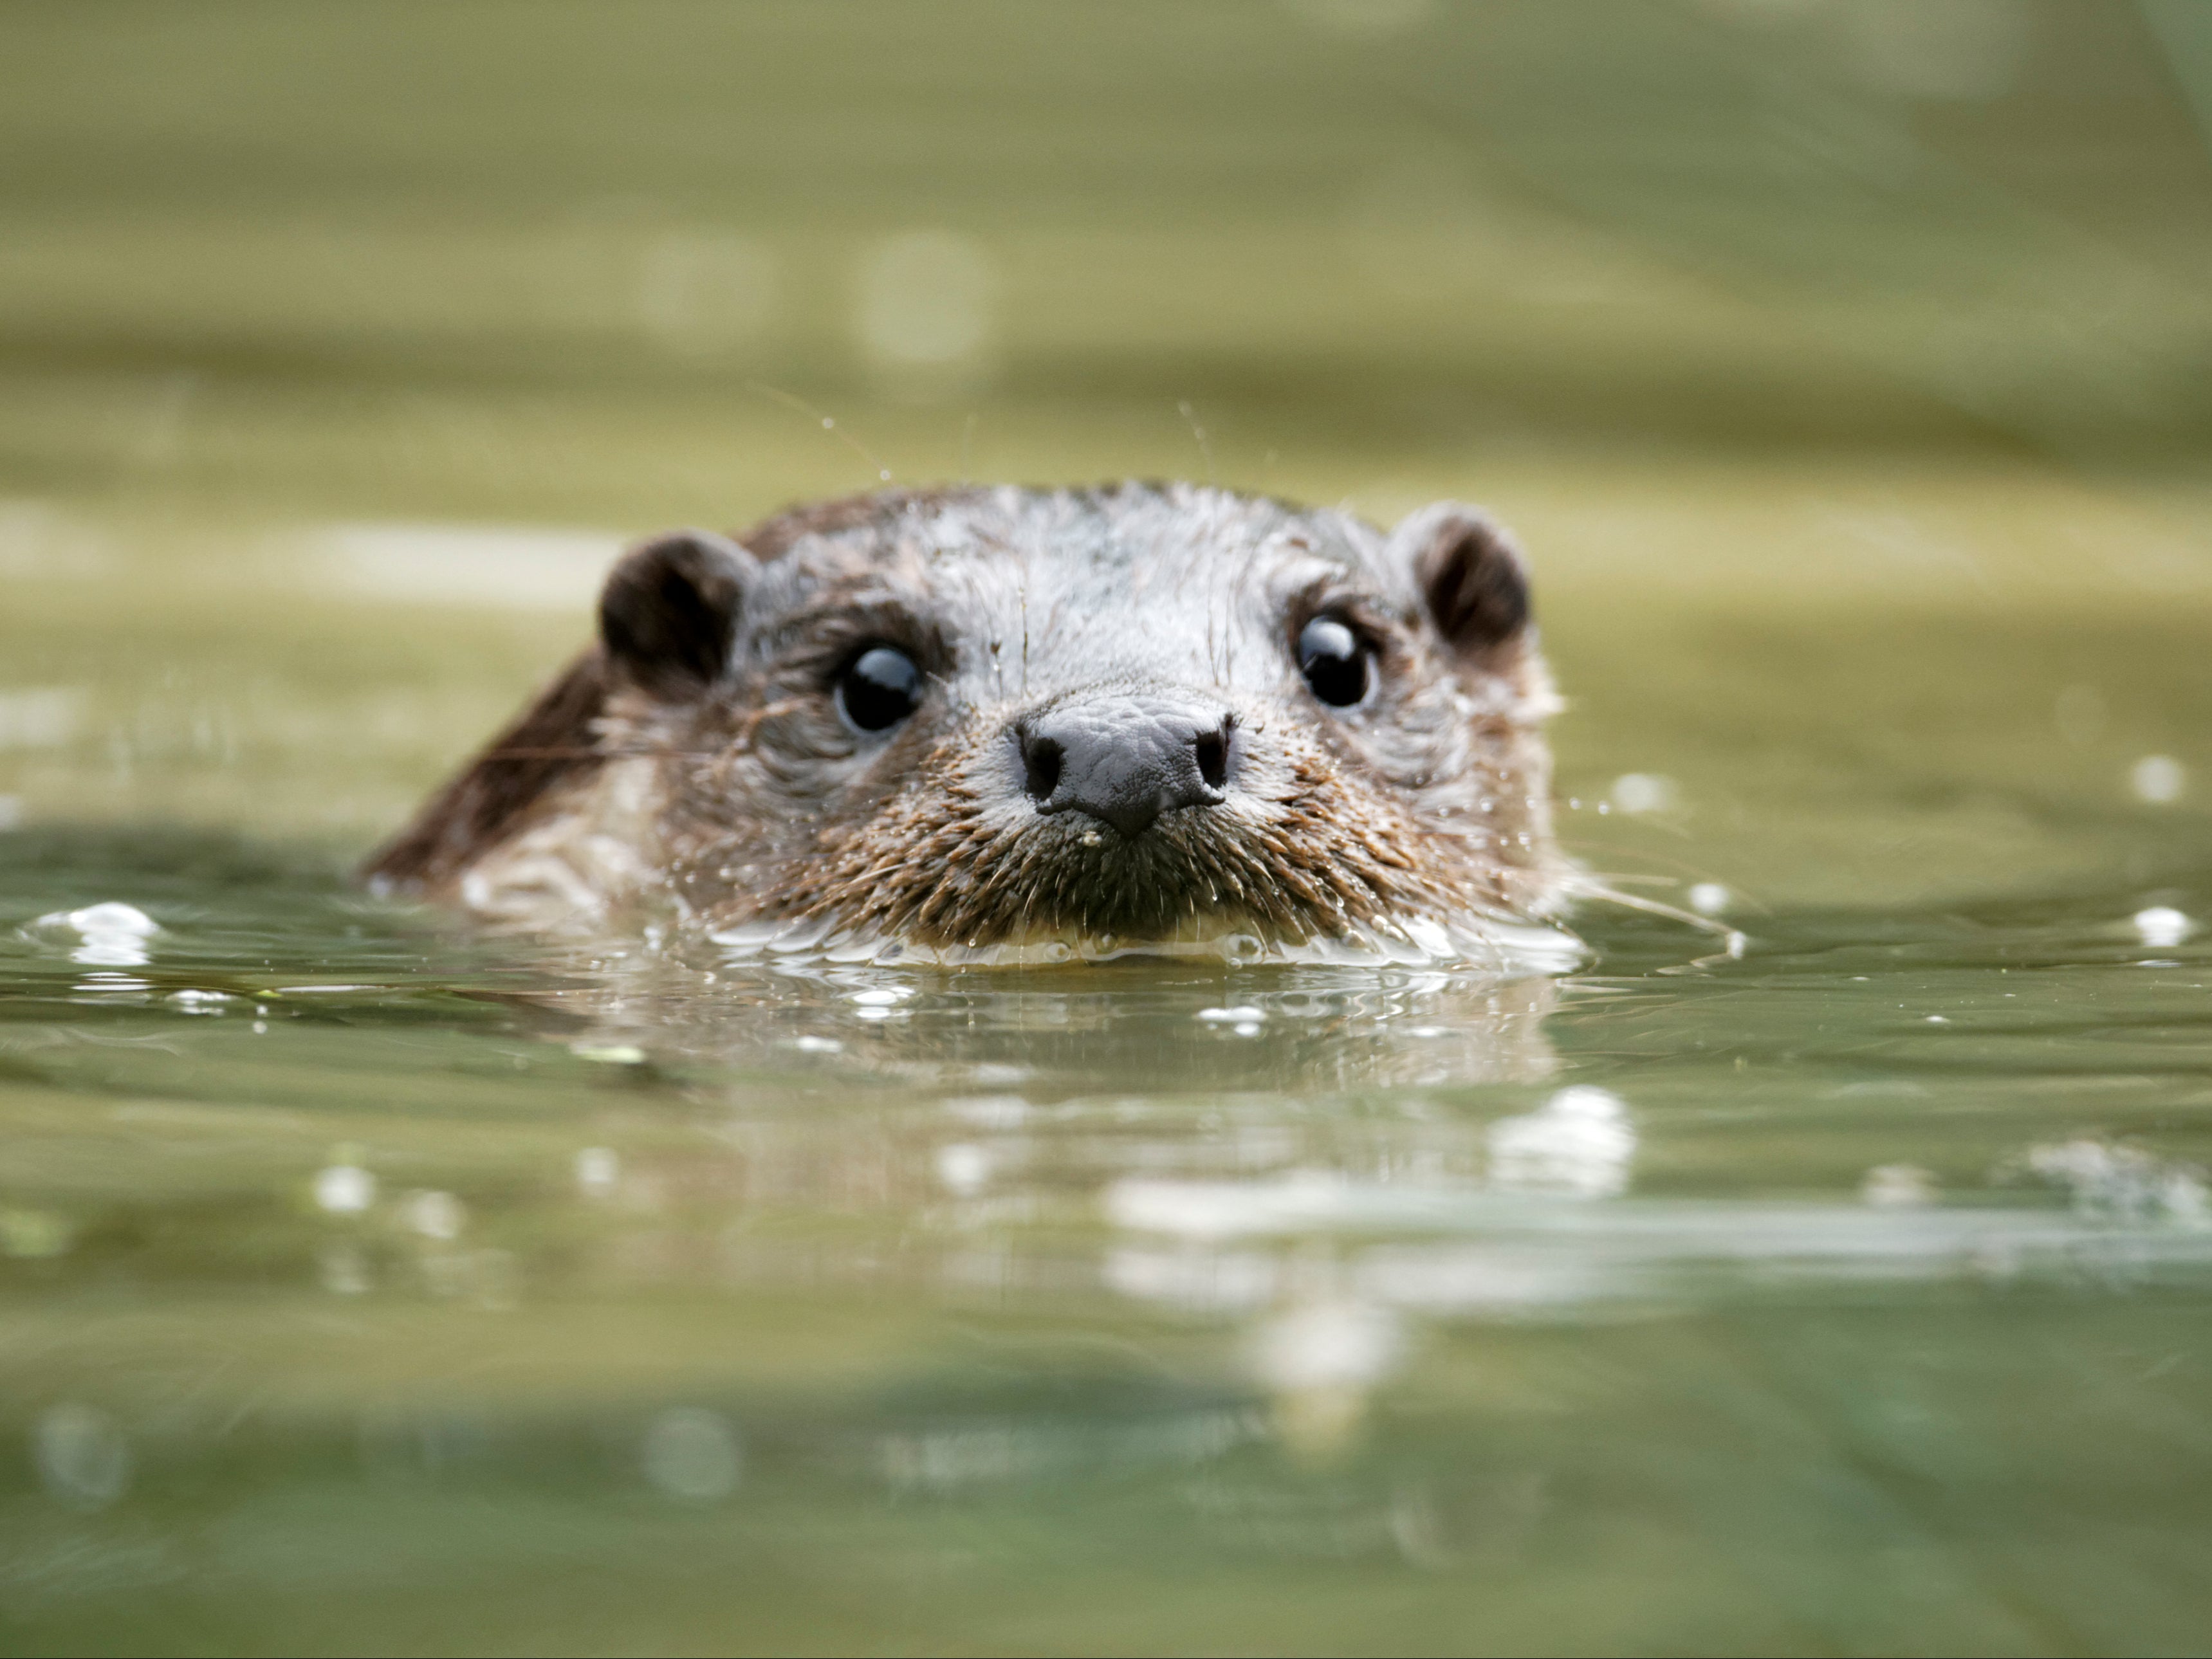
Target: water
{"type": "Point", "coordinates": [375, 1282]}
{"type": "Point", "coordinates": [369, 1282]}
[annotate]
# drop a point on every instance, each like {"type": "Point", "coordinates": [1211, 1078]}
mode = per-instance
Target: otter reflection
{"type": "Point", "coordinates": [1142, 1026]}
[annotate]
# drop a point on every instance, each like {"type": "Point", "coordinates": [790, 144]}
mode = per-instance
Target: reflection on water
{"type": "Point", "coordinates": [349, 1254]}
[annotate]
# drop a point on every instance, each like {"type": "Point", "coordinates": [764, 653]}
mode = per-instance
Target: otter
{"type": "Point", "coordinates": [1004, 725]}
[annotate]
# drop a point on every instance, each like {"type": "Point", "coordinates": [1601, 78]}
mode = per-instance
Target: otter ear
{"type": "Point", "coordinates": [1471, 575]}
{"type": "Point", "coordinates": [668, 615]}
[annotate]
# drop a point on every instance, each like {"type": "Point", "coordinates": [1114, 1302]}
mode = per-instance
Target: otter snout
{"type": "Point", "coordinates": [1125, 760]}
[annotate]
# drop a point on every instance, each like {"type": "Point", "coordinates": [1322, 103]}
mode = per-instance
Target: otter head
{"type": "Point", "coordinates": [1042, 724]}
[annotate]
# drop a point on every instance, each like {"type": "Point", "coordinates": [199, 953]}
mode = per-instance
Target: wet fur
{"type": "Point", "coordinates": [750, 800]}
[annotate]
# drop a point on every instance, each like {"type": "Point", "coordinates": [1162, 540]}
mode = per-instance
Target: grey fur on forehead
{"type": "Point", "coordinates": [1084, 583]}
{"type": "Point", "coordinates": [1119, 525]}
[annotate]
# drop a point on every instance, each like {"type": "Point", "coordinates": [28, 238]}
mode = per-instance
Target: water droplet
{"type": "Point", "coordinates": [344, 1189]}
{"type": "Point", "coordinates": [2162, 925]}
{"type": "Point", "coordinates": [2158, 779]}
{"type": "Point", "coordinates": [114, 934]}
{"type": "Point", "coordinates": [609, 1053]}
{"type": "Point", "coordinates": [1643, 792]}
{"type": "Point", "coordinates": [963, 1167]}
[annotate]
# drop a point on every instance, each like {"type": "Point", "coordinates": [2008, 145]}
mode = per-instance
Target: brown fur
{"type": "Point", "coordinates": [1429, 803]}
{"type": "Point", "coordinates": [553, 742]}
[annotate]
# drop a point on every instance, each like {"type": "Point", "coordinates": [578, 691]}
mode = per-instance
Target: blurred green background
{"type": "Point", "coordinates": [540, 260]}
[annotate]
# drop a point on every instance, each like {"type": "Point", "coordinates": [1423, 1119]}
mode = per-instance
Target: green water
{"type": "Point", "coordinates": [368, 1283]}
{"type": "Point", "coordinates": [1135, 1308]}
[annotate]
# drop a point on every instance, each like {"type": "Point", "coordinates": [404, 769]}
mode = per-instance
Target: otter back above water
{"type": "Point", "coordinates": [1005, 725]}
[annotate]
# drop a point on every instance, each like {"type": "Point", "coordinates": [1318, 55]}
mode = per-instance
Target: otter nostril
{"type": "Point", "coordinates": [1042, 758]}
{"type": "Point", "coordinates": [1212, 749]}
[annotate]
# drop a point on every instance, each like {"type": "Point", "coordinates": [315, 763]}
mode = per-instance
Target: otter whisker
{"type": "Point", "coordinates": [1196, 774]}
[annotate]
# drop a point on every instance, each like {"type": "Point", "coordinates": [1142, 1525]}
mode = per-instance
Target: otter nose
{"type": "Point", "coordinates": [1125, 760]}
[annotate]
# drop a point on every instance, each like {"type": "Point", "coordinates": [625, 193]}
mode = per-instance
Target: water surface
{"type": "Point", "coordinates": [376, 1283]}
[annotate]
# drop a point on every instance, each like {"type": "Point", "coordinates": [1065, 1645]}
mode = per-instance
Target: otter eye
{"type": "Point", "coordinates": [1334, 659]}
{"type": "Point", "coordinates": [880, 689]}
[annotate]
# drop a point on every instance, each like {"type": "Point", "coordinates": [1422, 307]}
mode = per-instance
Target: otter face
{"type": "Point", "coordinates": [1029, 725]}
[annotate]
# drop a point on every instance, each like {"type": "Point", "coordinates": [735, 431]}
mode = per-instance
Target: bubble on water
{"type": "Point", "coordinates": [963, 1168]}
{"type": "Point", "coordinates": [1489, 942]}
{"type": "Point", "coordinates": [436, 1215]}
{"type": "Point", "coordinates": [1246, 1028]}
{"type": "Point", "coordinates": [2158, 779]}
{"type": "Point", "coordinates": [1709, 898]}
{"type": "Point", "coordinates": [344, 1189]}
{"type": "Point", "coordinates": [597, 1171]}
{"type": "Point", "coordinates": [1241, 1014]}
{"type": "Point", "coordinates": [1244, 949]}
{"type": "Point", "coordinates": [200, 1002]}
{"type": "Point", "coordinates": [113, 934]}
{"type": "Point", "coordinates": [692, 1454]}
{"type": "Point", "coordinates": [1898, 1187]}
{"type": "Point", "coordinates": [81, 1455]}
{"type": "Point", "coordinates": [609, 1053]}
{"type": "Point", "coordinates": [2162, 925]}
{"type": "Point", "coordinates": [1578, 1144]}
{"type": "Point", "coordinates": [818, 1045]}
{"type": "Point", "coordinates": [1643, 792]}
{"type": "Point", "coordinates": [2125, 1183]}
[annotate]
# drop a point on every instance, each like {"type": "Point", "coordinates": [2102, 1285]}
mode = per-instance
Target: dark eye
{"type": "Point", "coordinates": [1334, 659]}
{"type": "Point", "coordinates": [880, 689]}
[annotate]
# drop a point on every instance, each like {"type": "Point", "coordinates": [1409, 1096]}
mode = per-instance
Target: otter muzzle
{"type": "Point", "coordinates": [1125, 760]}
